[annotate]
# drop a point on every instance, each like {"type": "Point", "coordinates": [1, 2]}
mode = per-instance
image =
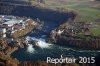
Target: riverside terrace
{"type": "Point", "coordinates": [11, 24]}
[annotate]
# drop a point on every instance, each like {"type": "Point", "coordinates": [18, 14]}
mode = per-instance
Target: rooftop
{"type": "Point", "coordinates": [13, 21]}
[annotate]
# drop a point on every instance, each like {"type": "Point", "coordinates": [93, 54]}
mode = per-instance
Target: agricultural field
{"type": "Point", "coordinates": [88, 10]}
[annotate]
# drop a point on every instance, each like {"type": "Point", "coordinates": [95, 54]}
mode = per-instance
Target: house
{"type": "Point", "coordinates": [10, 24]}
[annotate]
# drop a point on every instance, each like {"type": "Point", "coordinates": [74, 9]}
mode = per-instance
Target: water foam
{"type": "Point", "coordinates": [30, 48]}
{"type": "Point", "coordinates": [42, 43]}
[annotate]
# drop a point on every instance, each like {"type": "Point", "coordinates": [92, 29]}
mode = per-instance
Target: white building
{"type": "Point", "coordinates": [13, 21]}
{"type": "Point", "coordinates": [3, 31]}
{"type": "Point", "coordinates": [4, 35]}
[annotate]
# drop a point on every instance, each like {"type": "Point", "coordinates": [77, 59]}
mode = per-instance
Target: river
{"type": "Point", "coordinates": [49, 50]}
{"type": "Point", "coordinates": [45, 50]}
{"type": "Point", "coordinates": [50, 20]}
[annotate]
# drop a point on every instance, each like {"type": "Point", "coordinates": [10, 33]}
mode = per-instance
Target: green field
{"type": "Point", "coordinates": [87, 11]}
{"type": "Point", "coordinates": [95, 31]}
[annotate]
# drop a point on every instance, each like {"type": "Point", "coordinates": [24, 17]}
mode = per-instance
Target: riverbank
{"type": "Point", "coordinates": [76, 35]}
{"type": "Point", "coordinates": [11, 30]}
{"type": "Point", "coordinates": [71, 33]}
{"type": "Point", "coordinates": [28, 28]}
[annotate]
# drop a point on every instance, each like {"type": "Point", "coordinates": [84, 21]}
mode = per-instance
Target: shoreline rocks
{"type": "Point", "coordinates": [70, 35]}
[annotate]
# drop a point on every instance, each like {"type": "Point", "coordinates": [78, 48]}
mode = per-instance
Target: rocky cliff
{"type": "Point", "coordinates": [73, 34]}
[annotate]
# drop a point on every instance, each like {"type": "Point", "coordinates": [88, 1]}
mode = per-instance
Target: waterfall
{"type": "Point", "coordinates": [41, 42]}
{"type": "Point", "coordinates": [30, 48]}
